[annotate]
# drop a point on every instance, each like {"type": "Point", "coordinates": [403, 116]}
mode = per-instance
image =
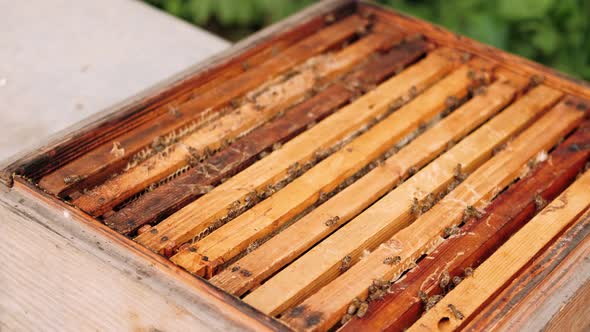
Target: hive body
{"type": "Point", "coordinates": [356, 169]}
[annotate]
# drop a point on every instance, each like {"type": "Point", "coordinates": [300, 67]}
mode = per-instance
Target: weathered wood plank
{"type": "Point", "coordinates": [536, 289]}
{"type": "Point", "coordinates": [164, 200]}
{"type": "Point", "coordinates": [330, 302]}
{"type": "Point", "coordinates": [267, 216]}
{"type": "Point", "coordinates": [574, 315]}
{"type": "Point", "coordinates": [478, 238]}
{"type": "Point", "coordinates": [203, 213]}
{"type": "Point", "coordinates": [545, 295]}
{"type": "Point", "coordinates": [222, 131]}
{"type": "Point", "coordinates": [100, 161]}
{"type": "Point", "coordinates": [34, 296]}
{"type": "Point", "coordinates": [394, 211]}
{"type": "Point", "coordinates": [292, 242]}
{"type": "Point", "coordinates": [147, 281]}
{"type": "Point", "coordinates": [497, 270]}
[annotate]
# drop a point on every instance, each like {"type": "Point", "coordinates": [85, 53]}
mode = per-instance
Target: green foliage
{"type": "Point", "coordinates": [232, 13]}
{"type": "Point", "coordinates": [554, 32]}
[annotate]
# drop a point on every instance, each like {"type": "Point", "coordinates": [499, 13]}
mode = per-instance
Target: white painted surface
{"type": "Point", "coordinates": [86, 295]}
{"type": "Point", "coordinates": [57, 274]}
{"type": "Point", "coordinates": [63, 60]}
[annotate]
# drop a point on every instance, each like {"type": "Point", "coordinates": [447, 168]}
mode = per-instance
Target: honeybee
{"type": "Point", "coordinates": [345, 263]}
{"type": "Point", "coordinates": [450, 231]}
{"type": "Point", "coordinates": [451, 102]}
{"type": "Point", "coordinates": [416, 207]}
{"type": "Point", "coordinates": [540, 202]}
{"type": "Point", "coordinates": [536, 80]}
{"type": "Point", "coordinates": [480, 91]}
{"type": "Point", "coordinates": [456, 312]}
{"type": "Point", "coordinates": [379, 283]}
{"type": "Point", "coordinates": [458, 174]}
{"type": "Point", "coordinates": [423, 297]}
{"type": "Point", "coordinates": [253, 246]}
{"type": "Point", "coordinates": [351, 309]}
{"type": "Point", "coordinates": [158, 144]}
{"type": "Point", "coordinates": [413, 92]}
{"type": "Point", "coordinates": [345, 319]}
{"type": "Point", "coordinates": [362, 310]}
{"type": "Point", "coordinates": [71, 179]}
{"type": "Point", "coordinates": [432, 301]}
{"type": "Point", "coordinates": [353, 306]}
{"type": "Point", "coordinates": [390, 260]}
{"type": "Point", "coordinates": [428, 202]}
{"type": "Point", "coordinates": [445, 279]}
{"type": "Point", "coordinates": [472, 212]}
{"type": "Point", "coordinates": [332, 221]}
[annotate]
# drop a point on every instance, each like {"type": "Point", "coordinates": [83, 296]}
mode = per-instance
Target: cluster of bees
{"type": "Point", "coordinates": [446, 284]}
{"type": "Point", "coordinates": [359, 308]}
{"type": "Point", "coordinates": [420, 207]}
{"type": "Point", "coordinates": [162, 144]}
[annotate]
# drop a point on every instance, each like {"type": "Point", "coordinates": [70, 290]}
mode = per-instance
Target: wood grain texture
{"type": "Point", "coordinates": [33, 296]}
{"type": "Point", "coordinates": [478, 238]}
{"type": "Point", "coordinates": [202, 213]}
{"type": "Point", "coordinates": [100, 162]}
{"type": "Point", "coordinates": [573, 316]}
{"type": "Point", "coordinates": [394, 211]}
{"type": "Point", "coordinates": [424, 235]}
{"type": "Point", "coordinates": [255, 111]}
{"type": "Point", "coordinates": [268, 215]}
{"type": "Point", "coordinates": [491, 276]}
{"type": "Point", "coordinates": [40, 236]}
{"type": "Point", "coordinates": [293, 241]}
{"type": "Point", "coordinates": [551, 293]}
{"type": "Point", "coordinates": [536, 297]}
{"type": "Point", "coordinates": [164, 200]}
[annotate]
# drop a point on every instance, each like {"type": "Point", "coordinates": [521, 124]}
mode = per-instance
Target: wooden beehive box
{"type": "Point", "coordinates": [350, 168]}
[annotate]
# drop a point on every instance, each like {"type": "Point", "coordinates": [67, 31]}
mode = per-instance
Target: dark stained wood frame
{"type": "Point", "coordinates": [72, 142]}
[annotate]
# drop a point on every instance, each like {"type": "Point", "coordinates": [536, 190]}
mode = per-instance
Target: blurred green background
{"type": "Point", "coordinates": [553, 32]}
